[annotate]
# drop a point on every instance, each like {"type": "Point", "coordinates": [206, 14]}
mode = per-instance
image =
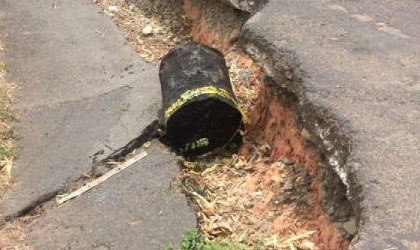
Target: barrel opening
{"type": "Point", "coordinates": [203, 125]}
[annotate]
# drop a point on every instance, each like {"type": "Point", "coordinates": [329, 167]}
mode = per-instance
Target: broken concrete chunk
{"type": "Point", "coordinates": [147, 30]}
{"type": "Point", "coordinates": [250, 6]}
{"type": "Point", "coordinates": [350, 227]}
{"type": "Point", "coordinates": [112, 8]}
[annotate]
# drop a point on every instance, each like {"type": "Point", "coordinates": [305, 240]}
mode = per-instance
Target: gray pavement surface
{"type": "Point", "coordinates": [360, 61]}
{"type": "Point", "coordinates": [82, 90]}
{"type": "Point", "coordinates": [133, 210]}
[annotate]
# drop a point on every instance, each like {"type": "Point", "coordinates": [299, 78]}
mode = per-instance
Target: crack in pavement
{"type": "Point", "coordinates": [149, 132]}
{"type": "Point", "coordinates": [52, 104]}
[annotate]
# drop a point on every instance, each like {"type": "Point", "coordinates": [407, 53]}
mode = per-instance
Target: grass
{"type": "Point", "coordinates": [7, 150]}
{"type": "Point", "coordinates": [193, 240]}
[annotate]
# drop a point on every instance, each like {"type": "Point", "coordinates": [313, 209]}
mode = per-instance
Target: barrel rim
{"type": "Point", "coordinates": [162, 61]}
{"type": "Point", "coordinates": [203, 98]}
{"type": "Point", "coordinates": [190, 95]}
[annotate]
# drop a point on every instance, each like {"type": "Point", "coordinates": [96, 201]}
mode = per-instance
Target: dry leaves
{"type": "Point", "coordinates": [245, 77]}
{"type": "Point", "coordinates": [12, 236]}
{"type": "Point", "coordinates": [146, 32]}
{"type": "Point", "coordinates": [240, 198]}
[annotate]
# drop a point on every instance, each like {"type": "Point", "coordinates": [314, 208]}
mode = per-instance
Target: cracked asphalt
{"type": "Point", "coordinates": [358, 62]}
{"type": "Point", "coordinates": [82, 90]}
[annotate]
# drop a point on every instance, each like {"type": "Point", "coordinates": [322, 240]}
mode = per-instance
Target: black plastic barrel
{"type": "Point", "coordinates": [199, 108]}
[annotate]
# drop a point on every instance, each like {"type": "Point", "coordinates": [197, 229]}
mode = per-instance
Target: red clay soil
{"type": "Point", "coordinates": [272, 124]}
{"type": "Point", "coordinates": [219, 32]}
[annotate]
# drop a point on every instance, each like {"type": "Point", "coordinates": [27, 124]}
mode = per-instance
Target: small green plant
{"type": "Point", "coordinates": [203, 142]}
{"type": "Point", "coordinates": [7, 151]}
{"type": "Point", "coordinates": [193, 240]}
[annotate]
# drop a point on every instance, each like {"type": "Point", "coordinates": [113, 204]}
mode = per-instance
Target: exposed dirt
{"type": "Point", "coordinates": [273, 129]}
{"type": "Point", "coordinates": [272, 193]}
{"type": "Point", "coordinates": [274, 124]}
{"type": "Point", "coordinates": [12, 236]}
{"type": "Point", "coordinates": [219, 28]}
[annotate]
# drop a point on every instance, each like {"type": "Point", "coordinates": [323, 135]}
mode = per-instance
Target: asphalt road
{"type": "Point", "coordinates": [358, 63]}
{"type": "Point", "coordinates": [83, 90]}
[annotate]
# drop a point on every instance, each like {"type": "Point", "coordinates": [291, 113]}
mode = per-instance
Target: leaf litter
{"type": "Point", "coordinates": [246, 197]}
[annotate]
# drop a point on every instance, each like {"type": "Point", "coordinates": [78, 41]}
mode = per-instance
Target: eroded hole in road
{"type": "Point", "coordinates": [276, 192]}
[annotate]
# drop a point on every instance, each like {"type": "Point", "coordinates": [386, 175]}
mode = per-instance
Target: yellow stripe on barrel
{"type": "Point", "coordinates": [207, 90]}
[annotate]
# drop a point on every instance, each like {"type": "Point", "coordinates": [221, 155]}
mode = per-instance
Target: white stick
{"type": "Point", "coordinates": [65, 197]}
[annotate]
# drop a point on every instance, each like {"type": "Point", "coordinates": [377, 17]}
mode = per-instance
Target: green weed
{"type": "Point", "coordinates": [193, 240]}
